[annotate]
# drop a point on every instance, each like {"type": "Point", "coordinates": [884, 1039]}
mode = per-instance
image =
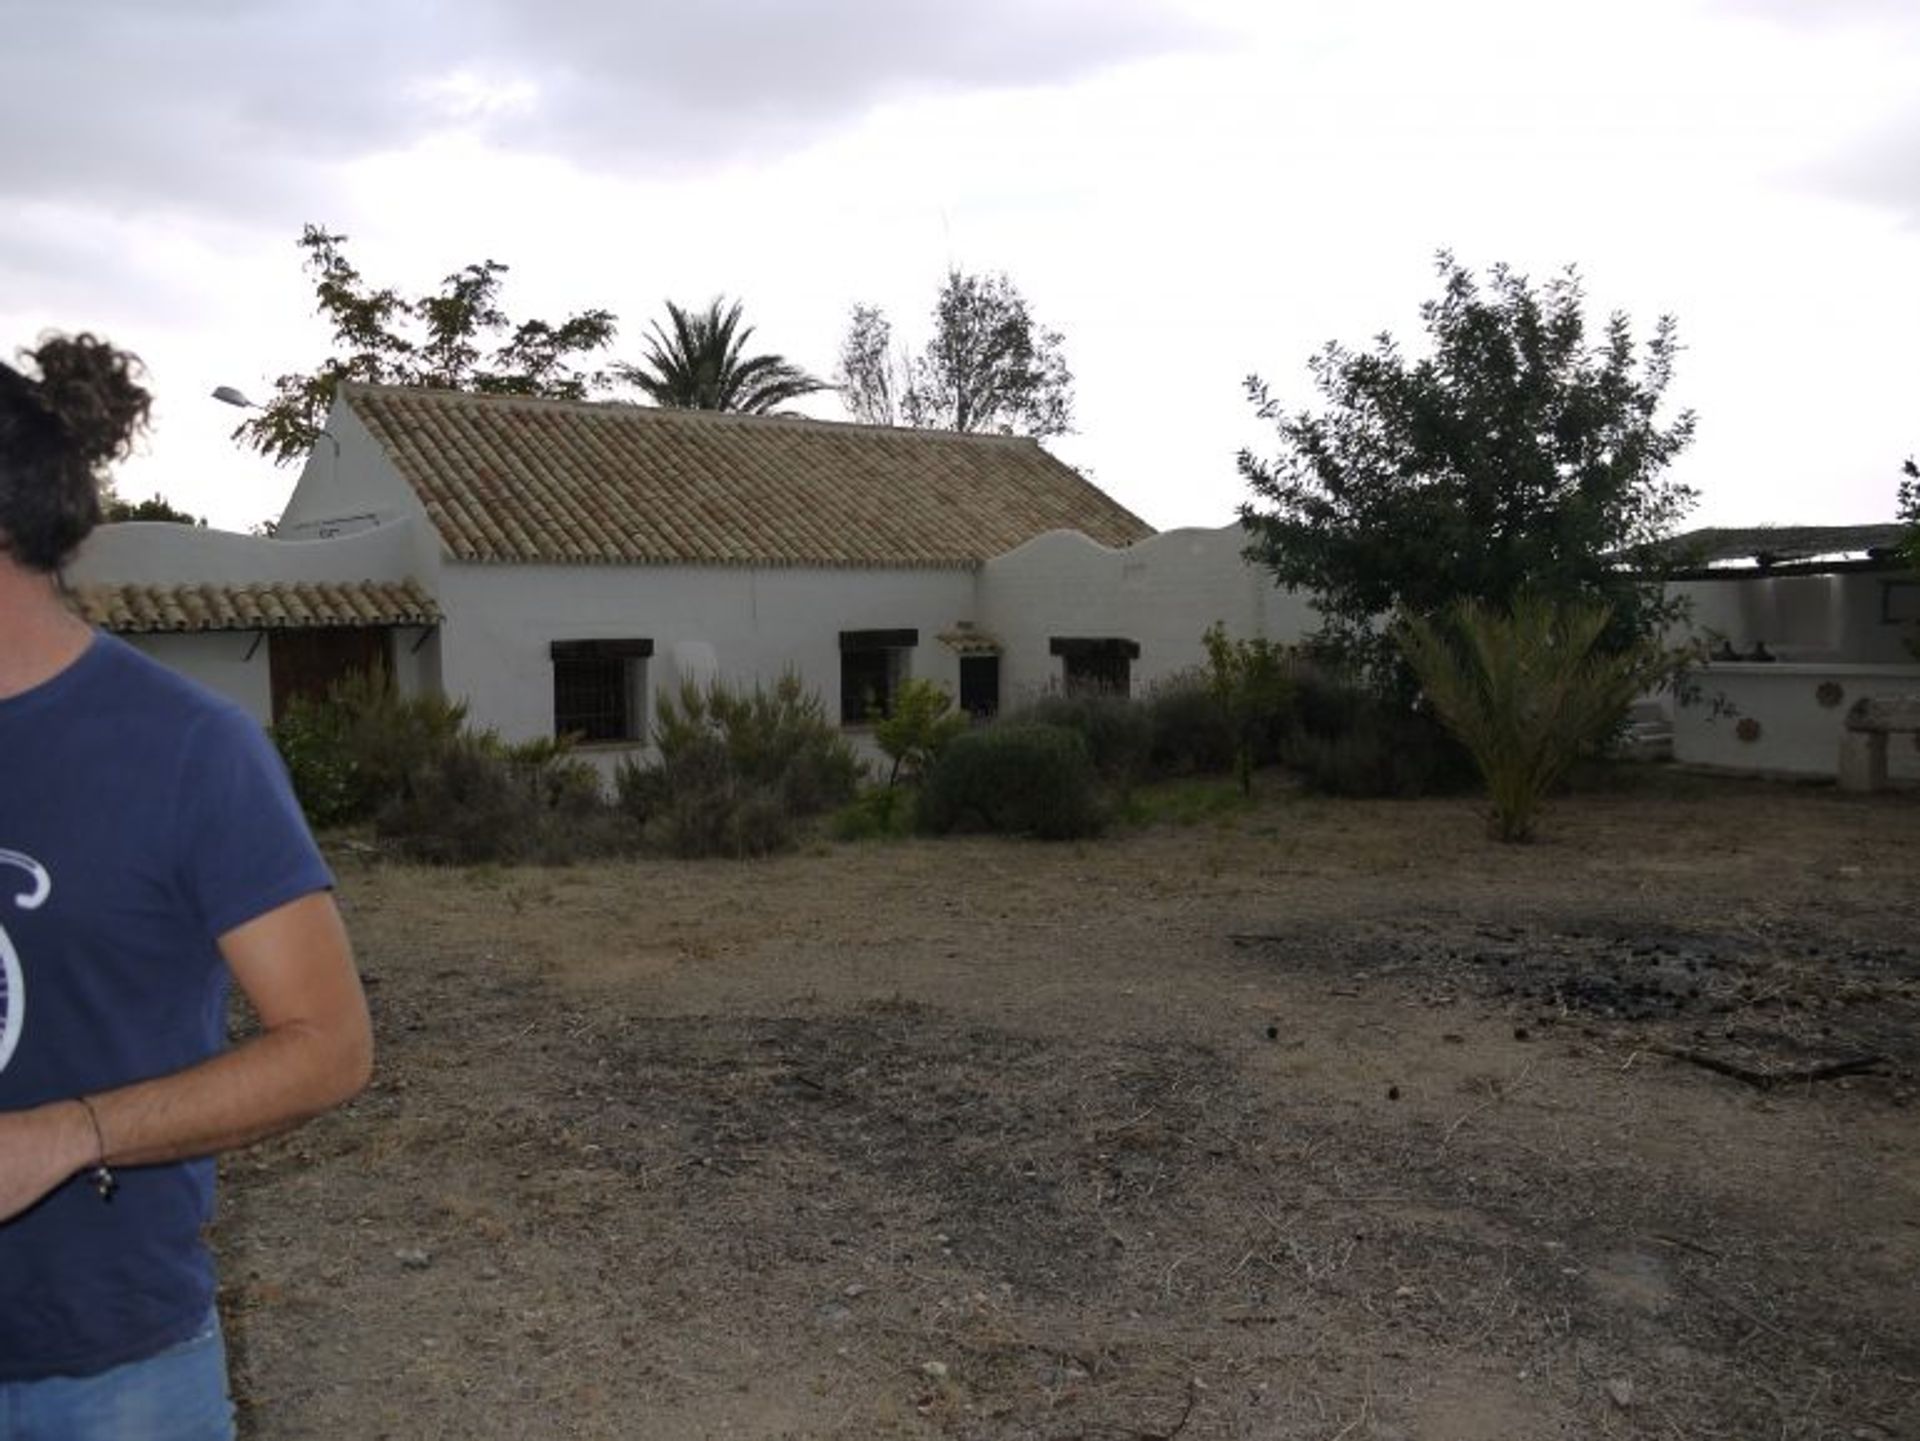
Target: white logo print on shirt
{"type": "Point", "coordinates": [13, 985]}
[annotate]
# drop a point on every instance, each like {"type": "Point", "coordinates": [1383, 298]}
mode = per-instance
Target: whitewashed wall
{"type": "Point", "coordinates": [1163, 593]}
{"type": "Point", "coordinates": [1797, 735]}
{"type": "Point", "coordinates": [339, 494]}
{"type": "Point", "coordinates": [740, 623]}
{"type": "Point", "coordinates": [238, 663]}
{"type": "Point", "coordinates": [230, 663]}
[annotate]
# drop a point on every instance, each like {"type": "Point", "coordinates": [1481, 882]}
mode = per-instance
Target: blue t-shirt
{"type": "Point", "coordinates": [141, 818]}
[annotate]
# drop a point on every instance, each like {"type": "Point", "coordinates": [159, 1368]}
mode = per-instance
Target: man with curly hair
{"type": "Point", "coordinates": [150, 849]}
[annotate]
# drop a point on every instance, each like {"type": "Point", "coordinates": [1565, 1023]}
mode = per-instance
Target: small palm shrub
{"type": "Point", "coordinates": [1526, 692]}
{"type": "Point", "coordinates": [1014, 779]}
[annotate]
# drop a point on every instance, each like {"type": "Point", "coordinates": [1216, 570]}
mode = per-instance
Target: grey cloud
{"type": "Point", "coordinates": [239, 104]}
{"type": "Point", "coordinates": [1880, 168]}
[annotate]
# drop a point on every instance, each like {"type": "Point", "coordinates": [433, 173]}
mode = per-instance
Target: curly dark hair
{"type": "Point", "coordinates": [56, 431]}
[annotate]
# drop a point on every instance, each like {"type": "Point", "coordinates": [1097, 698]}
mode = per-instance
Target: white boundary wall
{"type": "Point", "coordinates": [1796, 726]}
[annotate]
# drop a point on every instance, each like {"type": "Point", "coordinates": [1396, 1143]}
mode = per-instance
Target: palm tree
{"type": "Point", "coordinates": [697, 364]}
{"type": "Point", "coordinates": [1527, 691]}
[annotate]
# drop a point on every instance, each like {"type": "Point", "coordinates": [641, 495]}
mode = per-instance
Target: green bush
{"type": "Point", "coordinates": [476, 802]}
{"type": "Point", "coordinates": [363, 745]}
{"type": "Point", "coordinates": [1344, 740]}
{"type": "Point", "coordinates": [1191, 731]}
{"type": "Point", "coordinates": [1381, 754]}
{"type": "Point", "coordinates": [1014, 779]}
{"type": "Point", "coordinates": [735, 771]}
{"type": "Point", "coordinates": [1117, 731]}
{"type": "Point", "coordinates": [310, 740]}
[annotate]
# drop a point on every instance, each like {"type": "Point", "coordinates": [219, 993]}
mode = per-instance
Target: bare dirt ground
{"type": "Point", "coordinates": [1326, 1119]}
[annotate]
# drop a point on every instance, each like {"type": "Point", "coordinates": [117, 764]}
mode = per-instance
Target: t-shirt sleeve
{"type": "Point", "coordinates": [245, 848]}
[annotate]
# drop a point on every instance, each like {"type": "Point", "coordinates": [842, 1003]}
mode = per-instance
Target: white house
{"type": "Point", "coordinates": [560, 565]}
{"type": "Point", "coordinates": [590, 555]}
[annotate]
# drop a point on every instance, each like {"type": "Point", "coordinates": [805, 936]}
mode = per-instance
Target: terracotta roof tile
{"type": "Point", "coordinates": [130, 609]}
{"type": "Point", "coordinates": [507, 478]}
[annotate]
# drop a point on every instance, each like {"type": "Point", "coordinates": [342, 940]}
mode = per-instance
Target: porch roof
{"type": "Point", "coordinates": [129, 609]}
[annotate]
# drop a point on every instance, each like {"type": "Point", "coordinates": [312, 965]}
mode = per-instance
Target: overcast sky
{"type": "Point", "coordinates": [1189, 190]}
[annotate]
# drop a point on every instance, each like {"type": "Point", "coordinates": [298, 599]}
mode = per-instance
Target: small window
{"type": "Point", "coordinates": [872, 665]}
{"type": "Point", "coordinates": [600, 689]}
{"type": "Point", "coordinates": [1103, 664]}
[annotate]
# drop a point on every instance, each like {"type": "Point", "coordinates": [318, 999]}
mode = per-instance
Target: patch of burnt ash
{"type": "Point", "coordinates": [1766, 997]}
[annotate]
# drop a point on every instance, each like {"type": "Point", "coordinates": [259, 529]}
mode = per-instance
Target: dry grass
{"type": "Point", "coordinates": [990, 1140]}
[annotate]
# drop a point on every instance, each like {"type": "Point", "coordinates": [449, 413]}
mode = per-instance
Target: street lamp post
{"type": "Point", "coordinates": [228, 395]}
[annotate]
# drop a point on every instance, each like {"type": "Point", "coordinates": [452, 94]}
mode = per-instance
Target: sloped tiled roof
{"type": "Point", "coordinates": [293, 605]}
{"type": "Point", "coordinates": [506, 478]}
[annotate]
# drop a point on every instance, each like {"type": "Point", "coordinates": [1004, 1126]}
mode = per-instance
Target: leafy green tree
{"type": "Point", "coordinates": [1252, 683]}
{"type": "Point", "coordinates": [456, 339]}
{"type": "Point", "coordinates": [917, 729]}
{"type": "Point", "coordinates": [155, 507]}
{"type": "Point", "coordinates": [1527, 690]}
{"type": "Point", "coordinates": [1910, 511]}
{"type": "Point", "coordinates": [699, 362]}
{"type": "Point", "coordinates": [1518, 454]}
{"type": "Point", "coordinates": [989, 368]}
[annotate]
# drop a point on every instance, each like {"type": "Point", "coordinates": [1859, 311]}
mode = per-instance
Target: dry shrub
{"type": "Point", "coordinates": [1015, 779]}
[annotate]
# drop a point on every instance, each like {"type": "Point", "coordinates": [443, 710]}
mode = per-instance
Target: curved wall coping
{"type": "Point", "coordinates": [1161, 541]}
{"type": "Point", "coordinates": [160, 553]}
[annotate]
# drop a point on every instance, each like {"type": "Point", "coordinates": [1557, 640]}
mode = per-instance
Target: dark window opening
{"type": "Point", "coordinates": [599, 689]}
{"type": "Point", "coordinates": [980, 685]}
{"type": "Point", "coordinates": [308, 664]}
{"type": "Point", "coordinates": [872, 665]}
{"type": "Point", "coordinates": [1102, 664]}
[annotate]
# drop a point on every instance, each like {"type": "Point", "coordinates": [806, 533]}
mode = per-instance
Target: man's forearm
{"type": "Point", "coordinates": [269, 1083]}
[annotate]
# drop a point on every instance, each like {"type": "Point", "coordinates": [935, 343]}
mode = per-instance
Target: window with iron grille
{"type": "Point", "coordinates": [872, 665]}
{"type": "Point", "coordinates": [600, 689]}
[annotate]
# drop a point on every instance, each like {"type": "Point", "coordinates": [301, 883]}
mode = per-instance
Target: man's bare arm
{"type": "Point", "coordinates": [314, 1050]}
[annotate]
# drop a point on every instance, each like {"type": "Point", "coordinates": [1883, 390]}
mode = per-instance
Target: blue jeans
{"type": "Point", "coordinates": [178, 1395]}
